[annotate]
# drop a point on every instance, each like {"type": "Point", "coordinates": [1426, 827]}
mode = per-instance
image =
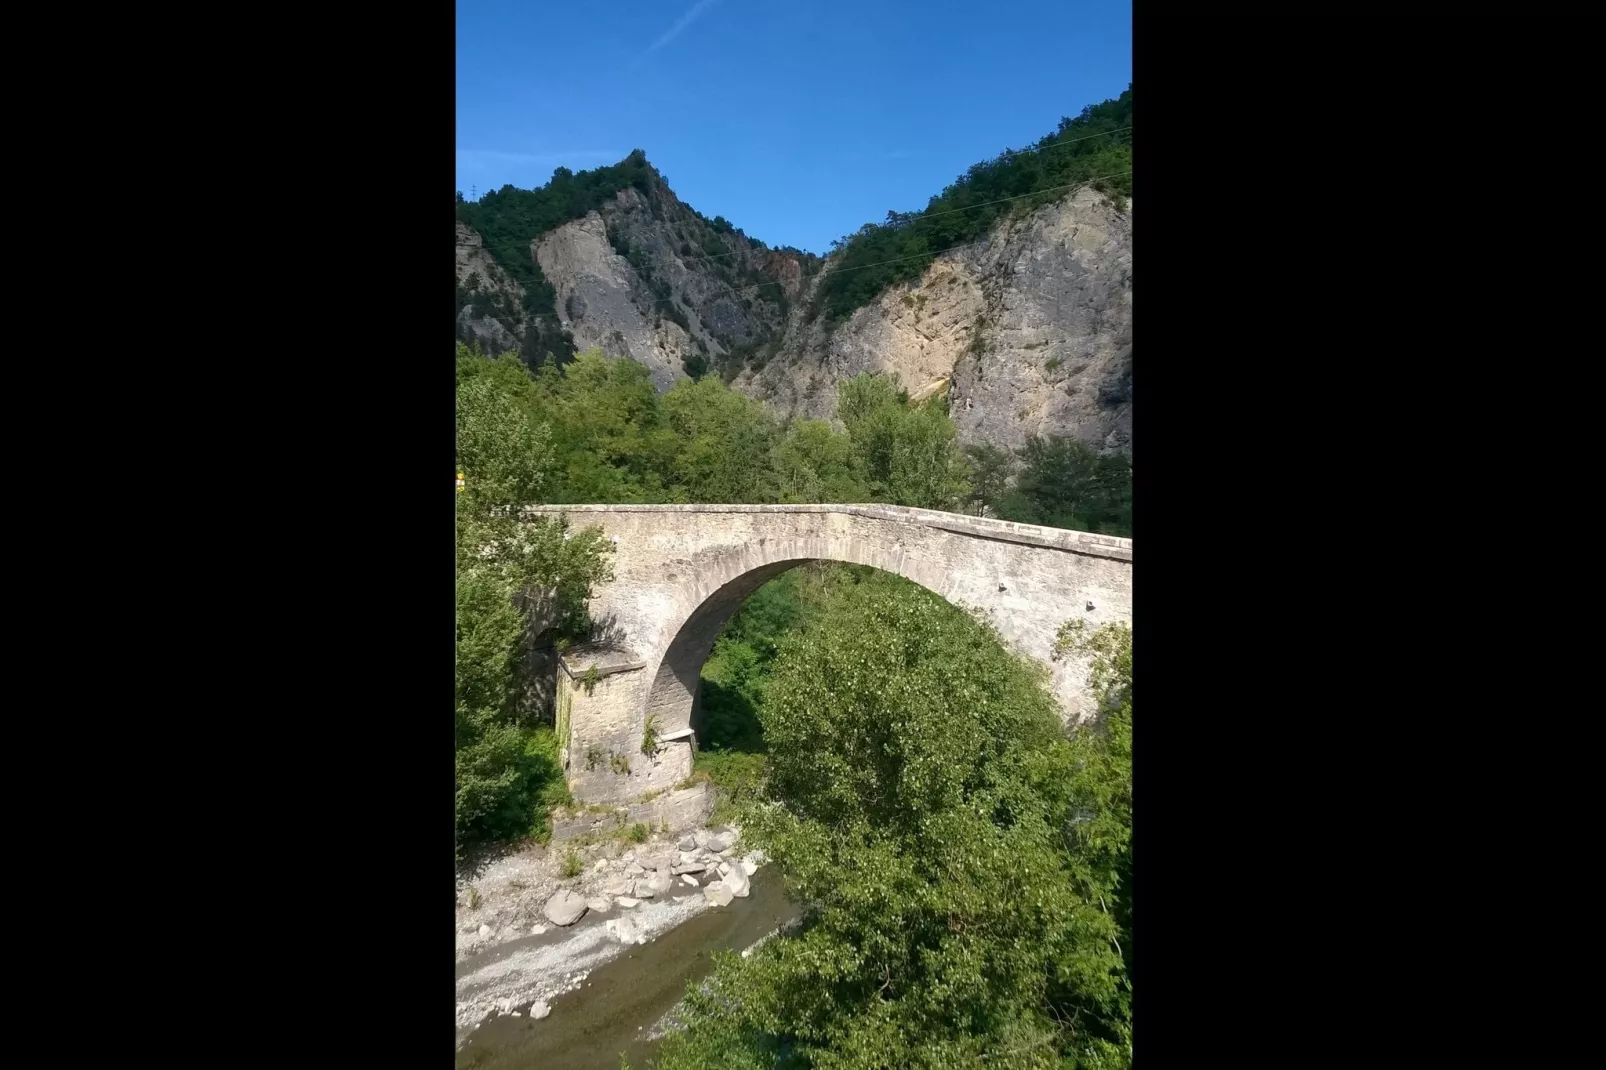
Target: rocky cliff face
{"type": "Point", "coordinates": [478, 272]}
{"type": "Point", "coordinates": [1029, 332]}
{"type": "Point", "coordinates": [649, 278]}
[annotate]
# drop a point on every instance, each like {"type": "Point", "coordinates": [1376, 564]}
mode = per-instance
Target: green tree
{"type": "Point", "coordinates": [813, 462]}
{"type": "Point", "coordinates": [516, 578]}
{"type": "Point", "coordinates": [989, 474]}
{"type": "Point", "coordinates": [612, 441]}
{"type": "Point", "coordinates": [723, 440]}
{"type": "Point", "coordinates": [906, 454]}
{"type": "Point", "coordinates": [963, 860]}
{"type": "Point", "coordinates": [1065, 484]}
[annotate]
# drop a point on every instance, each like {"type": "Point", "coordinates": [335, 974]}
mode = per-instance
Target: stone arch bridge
{"type": "Point", "coordinates": [681, 571]}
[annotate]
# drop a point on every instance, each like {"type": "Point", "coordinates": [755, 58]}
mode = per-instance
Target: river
{"type": "Point", "coordinates": [615, 1010]}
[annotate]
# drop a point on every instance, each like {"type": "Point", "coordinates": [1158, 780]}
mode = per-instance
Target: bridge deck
{"type": "Point", "coordinates": [1080, 542]}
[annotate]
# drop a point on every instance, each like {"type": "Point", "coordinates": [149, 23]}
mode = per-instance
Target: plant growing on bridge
{"type": "Point", "coordinates": [589, 680]}
{"type": "Point", "coordinates": [620, 763]}
{"type": "Point", "coordinates": [649, 737]}
{"type": "Point", "coordinates": [506, 765]}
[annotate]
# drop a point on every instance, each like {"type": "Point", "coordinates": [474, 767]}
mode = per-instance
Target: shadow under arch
{"type": "Point", "coordinates": [675, 694]}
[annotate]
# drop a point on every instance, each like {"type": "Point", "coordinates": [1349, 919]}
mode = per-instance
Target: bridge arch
{"type": "Point", "coordinates": [681, 572]}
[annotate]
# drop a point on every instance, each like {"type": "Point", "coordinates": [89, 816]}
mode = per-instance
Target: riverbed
{"type": "Point", "coordinates": [619, 1003]}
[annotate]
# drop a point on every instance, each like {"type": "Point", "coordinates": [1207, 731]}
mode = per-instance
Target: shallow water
{"type": "Point", "coordinates": [616, 1009]}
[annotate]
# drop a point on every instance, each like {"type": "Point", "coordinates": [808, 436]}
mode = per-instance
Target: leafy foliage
{"type": "Point", "coordinates": [1065, 484]}
{"type": "Point", "coordinates": [1096, 143]}
{"type": "Point", "coordinates": [514, 580]}
{"type": "Point", "coordinates": [966, 865]}
{"type": "Point", "coordinates": [989, 474]}
{"type": "Point", "coordinates": [906, 454]}
{"type": "Point", "coordinates": [613, 438]}
{"type": "Point", "coordinates": [813, 463]}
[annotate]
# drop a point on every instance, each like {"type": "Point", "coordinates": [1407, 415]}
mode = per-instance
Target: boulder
{"type": "Point", "coordinates": [620, 885]}
{"type": "Point", "coordinates": [484, 931]}
{"type": "Point", "coordinates": [749, 868]}
{"type": "Point", "coordinates": [662, 858]}
{"type": "Point", "coordinates": [717, 894]}
{"type": "Point", "coordinates": [643, 890]}
{"type": "Point", "coordinates": [540, 1009]}
{"type": "Point", "coordinates": [687, 843]}
{"type": "Point", "coordinates": [688, 879]}
{"type": "Point", "coordinates": [635, 869]}
{"type": "Point", "coordinates": [712, 841]}
{"type": "Point", "coordinates": [537, 930]}
{"type": "Point", "coordinates": [599, 904]}
{"type": "Point", "coordinates": [627, 901]}
{"type": "Point", "coordinates": [660, 881]}
{"type": "Point", "coordinates": [724, 869]}
{"type": "Point", "coordinates": [688, 867]}
{"type": "Point", "coordinates": [737, 882]}
{"type": "Point", "coordinates": [564, 908]}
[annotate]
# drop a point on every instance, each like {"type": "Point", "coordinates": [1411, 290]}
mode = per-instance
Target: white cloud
{"type": "Point", "coordinates": [685, 20]}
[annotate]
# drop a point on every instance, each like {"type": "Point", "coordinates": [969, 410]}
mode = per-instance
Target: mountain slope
{"type": "Point", "coordinates": [1030, 333]}
{"type": "Point", "coordinates": [1011, 291]}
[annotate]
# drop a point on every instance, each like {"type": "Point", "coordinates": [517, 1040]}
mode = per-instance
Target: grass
{"type": "Point", "coordinates": [1050, 365]}
{"type": "Point", "coordinates": [473, 898]}
{"type": "Point", "coordinates": [572, 864]}
{"type": "Point", "coordinates": [638, 833]}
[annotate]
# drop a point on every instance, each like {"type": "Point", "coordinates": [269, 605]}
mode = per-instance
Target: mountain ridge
{"type": "Point", "coordinates": [1015, 300]}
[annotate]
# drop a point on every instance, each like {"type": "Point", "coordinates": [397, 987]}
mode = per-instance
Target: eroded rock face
{"type": "Point", "coordinates": [603, 302]}
{"type": "Point", "coordinates": [476, 266]}
{"type": "Point", "coordinates": [1029, 333]}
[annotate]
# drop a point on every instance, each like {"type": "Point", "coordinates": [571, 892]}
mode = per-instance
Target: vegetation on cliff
{"type": "Point", "coordinates": [1095, 147]}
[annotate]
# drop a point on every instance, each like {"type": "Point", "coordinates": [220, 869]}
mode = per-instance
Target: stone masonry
{"type": "Point", "coordinates": [681, 571]}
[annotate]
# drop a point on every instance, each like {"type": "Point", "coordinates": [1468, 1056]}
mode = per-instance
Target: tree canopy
{"type": "Point", "coordinates": [965, 865]}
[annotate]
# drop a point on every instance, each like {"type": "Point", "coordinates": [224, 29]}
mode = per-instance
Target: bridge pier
{"type": "Point", "coordinates": [601, 696]}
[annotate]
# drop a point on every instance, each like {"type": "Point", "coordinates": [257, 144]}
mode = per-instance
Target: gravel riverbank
{"type": "Point", "coordinates": [526, 933]}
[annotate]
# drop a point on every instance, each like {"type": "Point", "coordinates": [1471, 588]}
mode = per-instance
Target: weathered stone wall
{"type": "Point", "coordinates": [681, 571]}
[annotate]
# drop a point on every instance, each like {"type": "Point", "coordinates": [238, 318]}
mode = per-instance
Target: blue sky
{"type": "Point", "coordinates": [797, 120]}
